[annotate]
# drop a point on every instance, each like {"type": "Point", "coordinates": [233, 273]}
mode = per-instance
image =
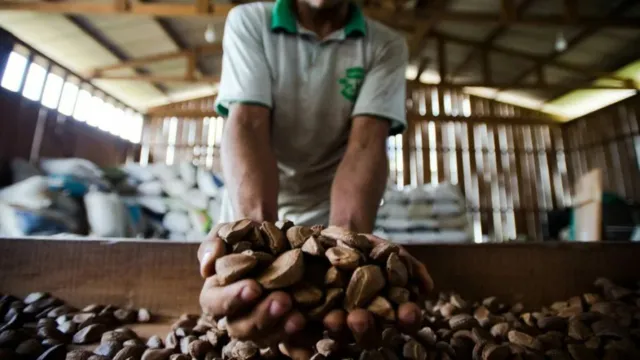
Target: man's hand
{"type": "Point", "coordinates": [362, 323]}
{"type": "Point", "coordinates": [266, 321]}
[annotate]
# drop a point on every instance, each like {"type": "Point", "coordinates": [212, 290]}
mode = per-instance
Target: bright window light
{"type": "Point", "coordinates": [96, 111]}
{"type": "Point", "coordinates": [35, 81]}
{"type": "Point", "coordinates": [107, 118]}
{"type": "Point", "coordinates": [83, 106]}
{"type": "Point", "coordinates": [118, 119]}
{"type": "Point", "coordinates": [68, 98]}
{"type": "Point", "coordinates": [13, 73]}
{"type": "Point", "coordinates": [136, 134]}
{"type": "Point", "coordinates": [51, 93]}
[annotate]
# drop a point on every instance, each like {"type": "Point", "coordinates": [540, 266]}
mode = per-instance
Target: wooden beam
{"type": "Point", "coordinates": [533, 58]}
{"type": "Point", "coordinates": [408, 17]}
{"type": "Point", "coordinates": [570, 10]}
{"type": "Point", "coordinates": [497, 32]}
{"type": "Point", "coordinates": [182, 104]}
{"type": "Point", "coordinates": [508, 11]}
{"type": "Point", "coordinates": [178, 40]}
{"type": "Point", "coordinates": [191, 66]}
{"type": "Point", "coordinates": [423, 28]}
{"type": "Point", "coordinates": [161, 78]}
{"type": "Point", "coordinates": [528, 86]}
{"type": "Point", "coordinates": [415, 118]}
{"type": "Point", "coordinates": [442, 60]}
{"type": "Point", "coordinates": [106, 8]}
{"type": "Point", "coordinates": [411, 117]}
{"type": "Point", "coordinates": [486, 68]}
{"type": "Point", "coordinates": [422, 66]}
{"type": "Point", "coordinates": [91, 31]}
{"type": "Point", "coordinates": [585, 34]}
{"type": "Point", "coordinates": [209, 48]}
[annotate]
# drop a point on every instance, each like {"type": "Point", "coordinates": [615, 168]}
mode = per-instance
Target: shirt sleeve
{"type": "Point", "coordinates": [245, 74]}
{"type": "Point", "coordinates": [383, 90]}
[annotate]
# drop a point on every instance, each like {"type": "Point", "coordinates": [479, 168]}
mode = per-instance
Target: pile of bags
{"type": "Point", "coordinates": [424, 214]}
{"type": "Point", "coordinates": [75, 197]}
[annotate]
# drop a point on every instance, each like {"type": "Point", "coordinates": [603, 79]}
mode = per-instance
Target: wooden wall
{"type": "Point", "coordinates": [507, 161]}
{"type": "Point", "coordinates": [608, 139]}
{"type": "Point", "coordinates": [62, 136]}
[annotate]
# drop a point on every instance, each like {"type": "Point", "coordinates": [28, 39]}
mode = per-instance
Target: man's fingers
{"type": "Point", "coordinates": [423, 274]}
{"type": "Point", "coordinates": [227, 300]}
{"type": "Point", "coordinates": [409, 317]}
{"type": "Point", "coordinates": [209, 251]}
{"type": "Point", "coordinates": [262, 317]}
{"type": "Point", "coordinates": [362, 325]}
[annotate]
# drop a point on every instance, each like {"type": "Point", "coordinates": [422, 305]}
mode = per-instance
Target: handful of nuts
{"type": "Point", "coordinates": [322, 268]}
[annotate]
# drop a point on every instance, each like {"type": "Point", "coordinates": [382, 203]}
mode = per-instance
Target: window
{"type": "Point", "coordinates": [96, 111]}
{"type": "Point", "coordinates": [119, 121]}
{"type": "Point", "coordinates": [136, 134]}
{"type": "Point", "coordinates": [51, 93]}
{"type": "Point", "coordinates": [13, 73]}
{"type": "Point", "coordinates": [35, 81]}
{"type": "Point", "coordinates": [68, 98]}
{"type": "Point", "coordinates": [106, 120]}
{"type": "Point", "coordinates": [82, 110]}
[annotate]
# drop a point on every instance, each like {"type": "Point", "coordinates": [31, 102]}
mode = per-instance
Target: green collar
{"type": "Point", "coordinates": [283, 18]}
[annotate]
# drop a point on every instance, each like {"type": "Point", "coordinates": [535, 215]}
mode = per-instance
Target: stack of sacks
{"type": "Point", "coordinates": [424, 214]}
{"type": "Point", "coordinates": [74, 196]}
{"type": "Point", "coordinates": [182, 201]}
{"type": "Point", "coordinates": [48, 200]}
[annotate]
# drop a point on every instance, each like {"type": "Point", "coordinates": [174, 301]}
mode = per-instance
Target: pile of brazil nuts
{"type": "Point", "coordinates": [325, 269]}
{"type": "Point", "coordinates": [322, 268]}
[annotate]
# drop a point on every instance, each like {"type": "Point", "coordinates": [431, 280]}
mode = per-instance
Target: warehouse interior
{"type": "Point", "coordinates": [508, 227]}
{"type": "Point", "coordinates": [510, 102]}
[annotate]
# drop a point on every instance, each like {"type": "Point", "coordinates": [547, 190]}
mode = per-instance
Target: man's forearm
{"type": "Point", "coordinates": [249, 165]}
{"type": "Point", "coordinates": [359, 183]}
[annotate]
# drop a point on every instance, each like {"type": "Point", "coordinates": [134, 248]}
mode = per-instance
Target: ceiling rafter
{"type": "Point", "coordinates": [531, 57]}
{"type": "Point", "coordinates": [583, 35]}
{"type": "Point", "coordinates": [178, 41]}
{"type": "Point", "coordinates": [407, 18]}
{"type": "Point", "coordinates": [101, 39]}
{"type": "Point", "coordinates": [186, 78]}
{"type": "Point", "coordinates": [423, 28]}
{"type": "Point", "coordinates": [498, 31]}
{"type": "Point", "coordinates": [184, 53]}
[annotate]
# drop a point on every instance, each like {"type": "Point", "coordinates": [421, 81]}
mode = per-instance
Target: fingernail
{"type": "Point", "coordinates": [277, 309]}
{"type": "Point", "coordinates": [205, 258]}
{"type": "Point", "coordinates": [292, 326]}
{"type": "Point", "coordinates": [248, 293]}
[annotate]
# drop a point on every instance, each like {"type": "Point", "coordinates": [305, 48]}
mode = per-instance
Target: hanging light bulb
{"type": "Point", "coordinates": [210, 34]}
{"type": "Point", "coordinates": [561, 42]}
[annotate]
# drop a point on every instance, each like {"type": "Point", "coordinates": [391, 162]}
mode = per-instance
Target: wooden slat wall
{"type": "Point", "coordinates": [510, 173]}
{"type": "Point", "coordinates": [608, 139]}
{"type": "Point", "coordinates": [502, 157]}
{"type": "Point", "coordinates": [172, 140]}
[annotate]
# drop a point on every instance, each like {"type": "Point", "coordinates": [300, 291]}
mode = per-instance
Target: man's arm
{"type": "Point", "coordinates": [248, 163]}
{"type": "Point", "coordinates": [378, 112]}
{"type": "Point", "coordinates": [361, 176]}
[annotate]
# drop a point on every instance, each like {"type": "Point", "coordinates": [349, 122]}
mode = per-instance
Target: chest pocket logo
{"type": "Point", "coordinates": [351, 83]}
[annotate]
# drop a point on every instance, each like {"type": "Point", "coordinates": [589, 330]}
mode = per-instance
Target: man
{"type": "Point", "coordinates": [311, 89]}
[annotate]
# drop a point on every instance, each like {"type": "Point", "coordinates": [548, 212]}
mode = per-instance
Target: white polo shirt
{"type": "Point", "coordinates": [313, 87]}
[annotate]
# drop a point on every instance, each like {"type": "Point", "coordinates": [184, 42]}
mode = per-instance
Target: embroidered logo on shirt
{"type": "Point", "coordinates": [351, 83]}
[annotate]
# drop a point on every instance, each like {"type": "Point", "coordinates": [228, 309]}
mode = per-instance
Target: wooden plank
{"type": "Point", "coordinates": [426, 151]}
{"type": "Point", "coordinates": [159, 78]}
{"type": "Point", "coordinates": [442, 60]}
{"type": "Point", "coordinates": [442, 176]}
